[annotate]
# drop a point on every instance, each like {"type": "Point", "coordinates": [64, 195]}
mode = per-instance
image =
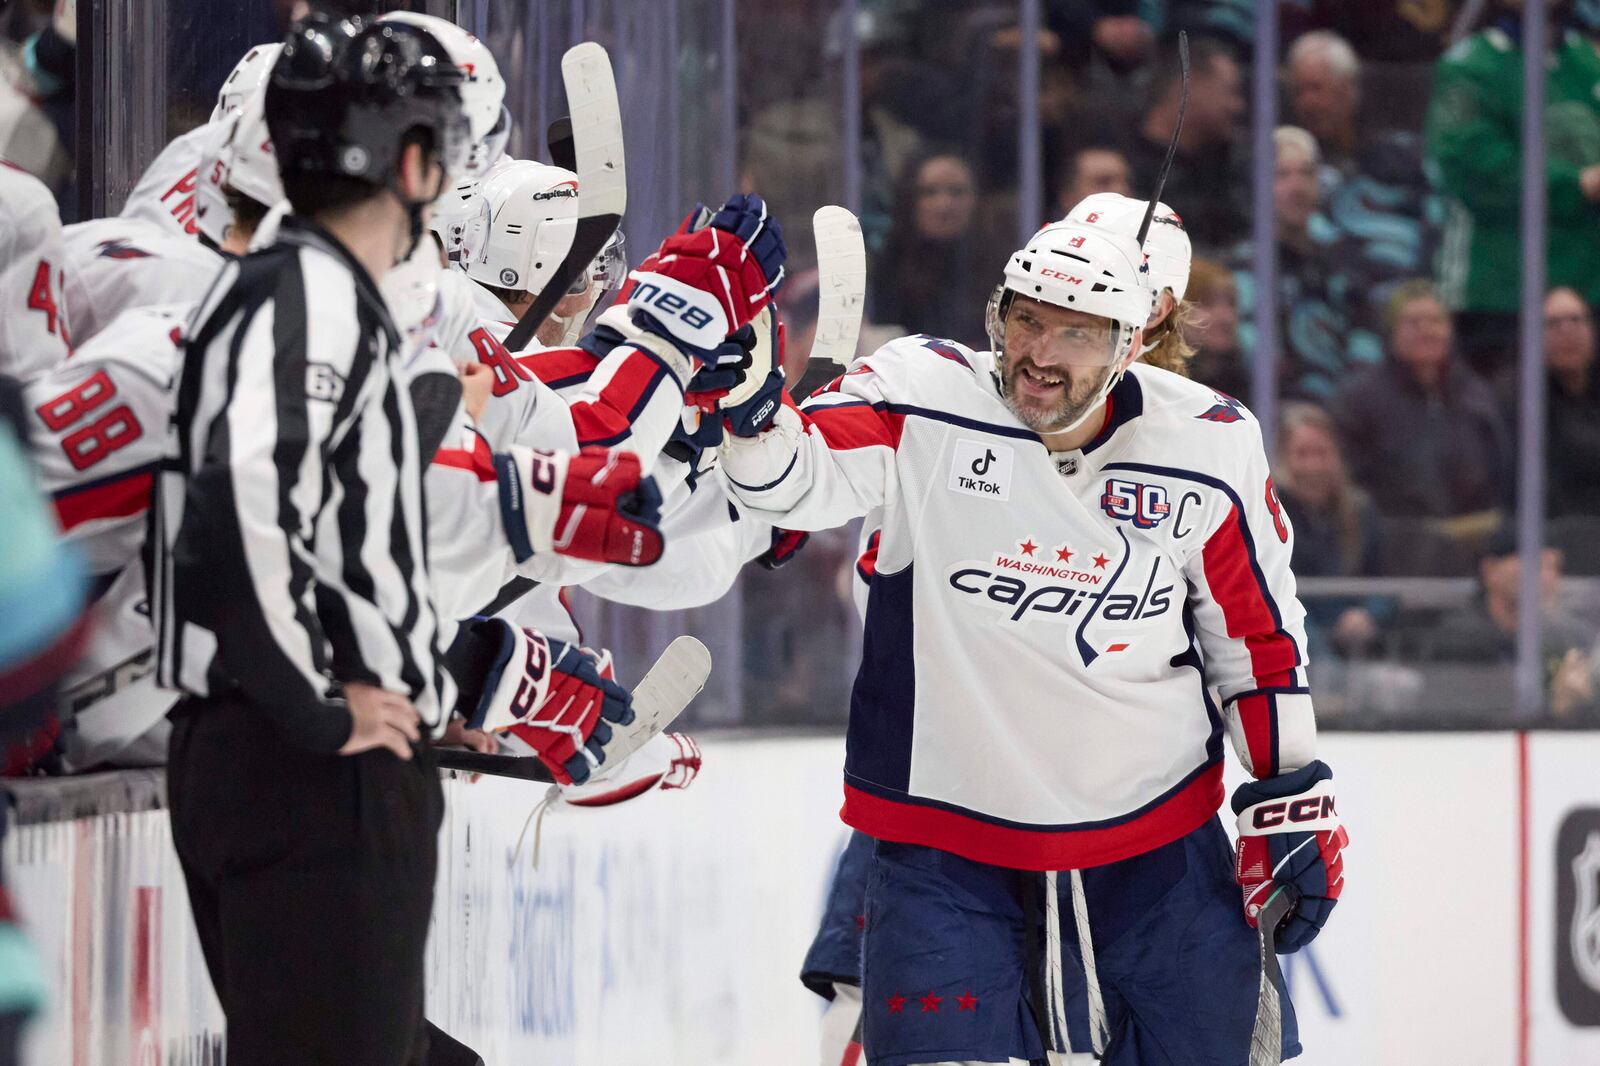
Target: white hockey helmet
{"type": "Point", "coordinates": [526, 219]}
{"type": "Point", "coordinates": [483, 93]}
{"type": "Point", "coordinates": [1081, 268]}
{"type": "Point", "coordinates": [248, 76]}
{"type": "Point", "coordinates": [1166, 245]}
{"type": "Point", "coordinates": [242, 162]}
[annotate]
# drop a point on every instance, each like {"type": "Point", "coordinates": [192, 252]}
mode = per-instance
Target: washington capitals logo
{"type": "Point", "coordinates": [1226, 410]}
{"type": "Point", "coordinates": [119, 248]}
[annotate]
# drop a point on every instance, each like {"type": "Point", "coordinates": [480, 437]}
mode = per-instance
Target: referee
{"type": "Point", "coordinates": [290, 578]}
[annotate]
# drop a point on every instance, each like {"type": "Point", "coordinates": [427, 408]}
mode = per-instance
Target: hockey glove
{"type": "Point", "coordinates": [667, 761]}
{"type": "Point", "coordinates": [1290, 838]}
{"type": "Point", "coordinates": [569, 728]}
{"type": "Point", "coordinates": [707, 280]}
{"type": "Point", "coordinates": [591, 505]}
{"type": "Point", "coordinates": [752, 406]}
{"type": "Point", "coordinates": [786, 544]}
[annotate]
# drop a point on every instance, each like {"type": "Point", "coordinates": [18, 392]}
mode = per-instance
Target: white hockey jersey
{"type": "Point", "coordinates": [121, 263]}
{"type": "Point", "coordinates": [1053, 643]}
{"type": "Point", "coordinates": [165, 192]}
{"type": "Point", "coordinates": [35, 322]}
{"type": "Point", "coordinates": [98, 428]}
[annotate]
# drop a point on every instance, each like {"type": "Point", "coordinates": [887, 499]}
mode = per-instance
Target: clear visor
{"type": "Point", "coordinates": [455, 149]}
{"type": "Point", "coordinates": [1050, 336]}
{"type": "Point", "coordinates": [607, 270]}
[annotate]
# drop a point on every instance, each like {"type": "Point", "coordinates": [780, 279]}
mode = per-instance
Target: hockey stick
{"type": "Point", "coordinates": [602, 177]}
{"type": "Point", "coordinates": [523, 767]}
{"type": "Point", "coordinates": [670, 685]}
{"type": "Point", "coordinates": [563, 153]}
{"type": "Point", "coordinates": [1266, 1040]}
{"type": "Point", "coordinates": [1172, 145]}
{"type": "Point", "coordinates": [841, 284]}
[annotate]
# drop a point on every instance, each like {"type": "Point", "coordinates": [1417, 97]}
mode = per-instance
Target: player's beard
{"type": "Point", "coordinates": [1078, 396]}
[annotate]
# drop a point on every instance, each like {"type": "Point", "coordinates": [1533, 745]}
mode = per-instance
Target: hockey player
{"type": "Point", "coordinates": [1082, 576]}
{"type": "Point", "coordinates": [35, 328]}
{"type": "Point", "coordinates": [832, 966]}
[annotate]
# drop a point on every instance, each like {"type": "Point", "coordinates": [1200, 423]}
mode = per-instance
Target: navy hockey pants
{"type": "Point", "coordinates": [950, 944]}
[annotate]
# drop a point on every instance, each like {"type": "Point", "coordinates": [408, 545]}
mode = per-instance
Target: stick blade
{"type": "Point", "coordinates": [841, 284]}
{"type": "Point", "coordinates": [596, 130]}
{"type": "Point", "coordinates": [670, 685]}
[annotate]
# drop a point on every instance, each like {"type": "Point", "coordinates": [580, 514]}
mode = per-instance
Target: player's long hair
{"type": "Point", "coordinates": [1172, 350]}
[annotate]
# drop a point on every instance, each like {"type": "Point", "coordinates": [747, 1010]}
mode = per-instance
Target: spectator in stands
{"type": "Point", "coordinates": [1485, 633]}
{"type": "Point", "coordinates": [1572, 413]}
{"type": "Point", "coordinates": [1091, 169]}
{"type": "Point", "coordinates": [1474, 140]}
{"type": "Point", "coordinates": [1336, 529]}
{"type": "Point", "coordinates": [1423, 433]}
{"type": "Point", "coordinates": [1213, 330]}
{"type": "Point", "coordinates": [1206, 180]}
{"type": "Point", "coordinates": [1375, 195]}
{"type": "Point", "coordinates": [936, 269]}
{"type": "Point", "coordinates": [793, 150]}
{"type": "Point", "coordinates": [1322, 313]}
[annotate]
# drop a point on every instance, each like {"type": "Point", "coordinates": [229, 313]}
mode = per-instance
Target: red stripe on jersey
{"type": "Point", "coordinates": [850, 426]}
{"type": "Point", "coordinates": [560, 365]}
{"type": "Point", "coordinates": [607, 419]}
{"type": "Point", "coordinates": [1036, 849]}
{"type": "Point", "coordinates": [1245, 609]}
{"type": "Point", "coordinates": [867, 565]}
{"type": "Point", "coordinates": [479, 461]}
{"type": "Point", "coordinates": [122, 498]}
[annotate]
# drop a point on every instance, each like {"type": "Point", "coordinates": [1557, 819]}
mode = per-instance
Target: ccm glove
{"type": "Point", "coordinates": [1290, 838]}
{"type": "Point", "coordinates": [570, 727]}
{"type": "Point", "coordinates": [708, 280]}
{"type": "Point", "coordinates": [593, 505]}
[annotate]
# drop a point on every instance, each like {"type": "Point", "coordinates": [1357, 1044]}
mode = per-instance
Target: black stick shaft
{"type": "Point", "coordinates": [475, 762]}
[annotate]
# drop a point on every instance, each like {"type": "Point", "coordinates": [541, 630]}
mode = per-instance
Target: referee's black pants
{"type": "Point", "coordinates": [311, 881]}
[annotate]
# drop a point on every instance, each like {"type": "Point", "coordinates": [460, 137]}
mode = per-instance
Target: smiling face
{"type": "Point", "coordinates": [1054, 363]}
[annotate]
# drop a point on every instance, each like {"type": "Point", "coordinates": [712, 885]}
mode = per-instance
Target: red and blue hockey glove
{"type": "Point", "coordinates": [786, 544]}
{"type": "Point", "coordinates": [592, 505]}
{"type": "Point", "coordinates": [1290, 838]}
{"type": "Point", "coordinates": [709, 279]}
{"type": "Point", "coordinates": [556, 699]}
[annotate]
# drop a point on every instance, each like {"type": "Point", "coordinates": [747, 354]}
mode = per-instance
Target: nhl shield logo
{"type": "Point", "coordinates": [1578, 917]}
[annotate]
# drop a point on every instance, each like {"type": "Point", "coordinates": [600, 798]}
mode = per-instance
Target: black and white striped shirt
{"type": "Point", "coordinates": [289, 532]}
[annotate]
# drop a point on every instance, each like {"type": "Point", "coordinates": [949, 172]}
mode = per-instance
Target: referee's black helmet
{"type": "Point", "coordinates": [345, 96]}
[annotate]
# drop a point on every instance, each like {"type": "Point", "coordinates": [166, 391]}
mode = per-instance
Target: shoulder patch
{"type": "Point", "coordinates": [1226, 410]}
{"type": "Point", "coordinates": [119, 248]}
{"type": "Point", "coordinates": [946, 349]}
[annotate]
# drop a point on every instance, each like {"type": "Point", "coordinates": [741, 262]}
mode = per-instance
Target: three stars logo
{"type": "Point", "coordinates": [931, 1002]}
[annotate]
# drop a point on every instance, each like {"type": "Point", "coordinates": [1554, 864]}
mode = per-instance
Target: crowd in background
{"type": "Point", "coordinates": [1395, 191]}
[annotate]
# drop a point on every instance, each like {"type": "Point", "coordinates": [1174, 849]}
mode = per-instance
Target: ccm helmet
{"type": "Point", "coordinates": [1166, 245]}
{"type": "Point", "coordinates": [1081, 268]}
